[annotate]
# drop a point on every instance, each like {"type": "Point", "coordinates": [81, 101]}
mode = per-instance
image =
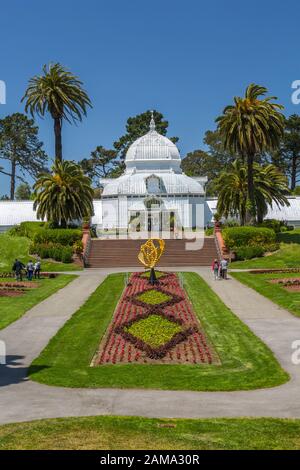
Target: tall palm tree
{"type": "Point", "coordinates": [251, 126]}
{"type": "Point", "coordinates": [60, 93]}
{"type": "Point", "coordinates": [64, 195]}
{"type": "Point", "coordinates": [232, 185]}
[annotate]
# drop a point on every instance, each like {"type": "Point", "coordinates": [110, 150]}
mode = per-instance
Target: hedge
{"type": "Point", "coordinates": [248, 252]}
{"type": "Point", "coordinates": [289, 237]}
{"type": "Point", "coordinates": [66, 237]}
{"type": "Point", "coordinates": [244, 236]}
{"type": "Point", "coordinates": [52, 250]}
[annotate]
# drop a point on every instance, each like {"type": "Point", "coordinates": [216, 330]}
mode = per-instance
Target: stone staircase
{"type": "Point", "coordinates": [120, 253]}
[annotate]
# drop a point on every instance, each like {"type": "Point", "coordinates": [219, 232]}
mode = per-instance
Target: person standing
{"type": "Point", "coordinates": [18, 266]}
{"type": "Point", "coordinates": [37, 269]}
{"type": "Point", "coordinates": [224, 268]}
{"type": "Point", "coordinates": [30, 270]}
{"type": "Point", "coordinates": [215, 269]}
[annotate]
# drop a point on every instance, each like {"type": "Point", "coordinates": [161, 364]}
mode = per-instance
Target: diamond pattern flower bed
{"type": "Point", "coordinates": [154, 325]}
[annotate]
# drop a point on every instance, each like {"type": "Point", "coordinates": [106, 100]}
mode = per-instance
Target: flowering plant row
{"type": "Point", "coordinates": [127, 337]}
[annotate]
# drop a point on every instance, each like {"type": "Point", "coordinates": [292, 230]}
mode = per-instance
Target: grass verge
{"type": "Point", "coordinates": [134, 433]}
{"type": "Point", "coordinates": [275, 292]}
{"type": "Point", "coordinates": [247, 363]}
{"type": "Point", "coordinates": [12, 308]}
{"type": "Point", "coordinates": [287, 257]}
{"type": "Point", "coordinates": [12, 247]}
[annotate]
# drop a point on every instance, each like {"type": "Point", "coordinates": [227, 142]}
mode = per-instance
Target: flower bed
{"type": "Point", "coordinates": [154, 324]}
{"type": "Point", "coordinates": [290, 284]}
{"type": "Point", "coordinates": [8, 275]}
{"type": "Point", "coordinates": [274, 270]}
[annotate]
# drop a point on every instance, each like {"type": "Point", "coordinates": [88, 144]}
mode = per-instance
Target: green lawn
{"type": "Point", "coordinates": [12, 308]}
{"type": "Point", "coordinates": [274, 292]}
{"type": "Point", "coordinates": [246, 362]}
{"type": "Point", "coordinates": [134, 433]}
{"type": "Point", "coordinates": [12, 247]}
{"type": "Point", "coordinates": [287, 257]}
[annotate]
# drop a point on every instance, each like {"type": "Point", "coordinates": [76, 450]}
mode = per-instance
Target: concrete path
{"type": "Point", "coordinates": [21, 399]}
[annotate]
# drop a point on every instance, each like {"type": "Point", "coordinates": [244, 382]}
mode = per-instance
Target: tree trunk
{"type": "Point", "coordinates": [58, 143]}
{"type": "Point", "coordinates": [294, 172]}
{"type": "Point", "coordinates": [13, 179]}
{"type": "Point", "coordinates": [250, 183]}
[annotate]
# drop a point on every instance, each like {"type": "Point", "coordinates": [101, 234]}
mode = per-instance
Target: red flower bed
{"type": "Point", "coordinates": [189, 346]}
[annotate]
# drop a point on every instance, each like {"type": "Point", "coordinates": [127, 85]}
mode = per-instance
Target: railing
{"type": "Point", "coordinates": [220, 245]}
{"type": "Point", "coordinates": [219, 253]}
{"type": "Point", "coordinates": [87, 242]}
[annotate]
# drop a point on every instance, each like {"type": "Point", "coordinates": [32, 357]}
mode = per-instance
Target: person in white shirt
{"type": "Point", "coordinates": [224, 268]}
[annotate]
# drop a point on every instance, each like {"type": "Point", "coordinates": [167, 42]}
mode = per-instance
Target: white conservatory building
{"type": "Point", "coordinates": [153, 194]}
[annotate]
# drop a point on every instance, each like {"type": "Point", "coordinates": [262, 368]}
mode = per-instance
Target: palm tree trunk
{"type": "Point", "coordinates": [13, 179]}
{"type": "Point", "coordinates": [250, 183]}
{"type": "Point", "coordinates": [58, 143]}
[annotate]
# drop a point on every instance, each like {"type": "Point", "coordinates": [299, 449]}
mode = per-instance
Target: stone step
{"type": "Point", "coordinates": [119, 253]}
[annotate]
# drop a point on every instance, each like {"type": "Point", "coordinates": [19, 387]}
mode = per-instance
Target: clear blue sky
{"type": "Point", "coordinates": [186, 58]}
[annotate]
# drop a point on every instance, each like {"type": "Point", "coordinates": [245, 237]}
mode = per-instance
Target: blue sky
{"type": "Point", "coordinates": [185, 58]}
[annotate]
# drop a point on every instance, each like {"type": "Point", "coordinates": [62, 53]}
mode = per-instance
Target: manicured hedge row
{"type": "Point", "coordinates": [245, 236]}
{"type": "Point", "coordinates": [66, 237]}
{"type": "Point", "coordinates": [289, 237]}
{"type": "Point", "coordinates": [55, 251]}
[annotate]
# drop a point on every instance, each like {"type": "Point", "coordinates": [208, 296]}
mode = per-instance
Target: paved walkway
{"type": "Point", "coordinates": [21, 399]}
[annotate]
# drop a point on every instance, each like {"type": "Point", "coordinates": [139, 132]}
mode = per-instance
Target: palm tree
{"type": "Point", "coordinates": [64, 195]}
{"type": "Point", "coordinates": [60, 93]}
{"type": "Point", "coordinates": [232, 185]}
{"type": "Point", "coordinates": [270, 186]}
{"type": "Point", "coordinates": [249, 127]}
{"type": "Point", "coordinates": [232, 191]}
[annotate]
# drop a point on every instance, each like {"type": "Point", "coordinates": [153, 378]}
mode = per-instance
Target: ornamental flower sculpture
{"type": "Point", "coordinates": [149, 255]}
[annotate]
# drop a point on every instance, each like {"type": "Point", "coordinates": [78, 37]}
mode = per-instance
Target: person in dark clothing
{"type": "Point", "coordinates": [17, 268]}
{"type": "Point", "coordinates": [37, 269]}
{"type": "Point", "coordinates": [30, 270]}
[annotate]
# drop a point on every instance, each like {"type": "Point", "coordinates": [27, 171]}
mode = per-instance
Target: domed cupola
{"type": "Point", "coordinates": [153, 151]}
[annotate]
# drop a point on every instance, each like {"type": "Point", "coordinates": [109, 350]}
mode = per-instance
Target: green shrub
{"type": "Point", "coordinates": [248, 236]}
{"type": "Point", "coordinates": [209, 231]}
{"type": "Point", "coordinates": [292, 236]}
{"type": "Point", "coordinates": [271, 247]}
{"type": "Point", "coordinates": [67, 254]}
{"type": "Point", "coordinates": [27, 229]}
{"type": "Point", "coordinates": [52, 250]}
{"type": "Point", "coordinates": [248, 252]}
{"type": "Point", "coordinates": [66, 237]}
{"type": "Point", "coordinates": [78, 247]}
{"type": "Point", "coordinates": [276, 225]}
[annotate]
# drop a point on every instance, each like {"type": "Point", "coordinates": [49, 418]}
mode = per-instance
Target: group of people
{"type": "Point", "coordinates": [220, 269]}
{"type": "Point", "coordinates": [32, 270]}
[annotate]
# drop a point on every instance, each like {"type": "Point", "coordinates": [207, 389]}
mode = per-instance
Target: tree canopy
{"type": "Point", "coordinates": [101, 164]}
{"type": "Point", "coordinates": [23, 192]}
{"type": "Point", "coordinates": [208, 163]}
{"type": "Point", "coordinates": [64, 195]}
{"type": "Point", "coordinates": [270, 186]}
{"type": "Point", "coordinates": [21, 147]}
{"type": "Point", "coordinates": [290, 149]}
{"type": "Point", "coordinates": [249, 127]}
{"type": "Point", "coordinates": [59, 92]}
